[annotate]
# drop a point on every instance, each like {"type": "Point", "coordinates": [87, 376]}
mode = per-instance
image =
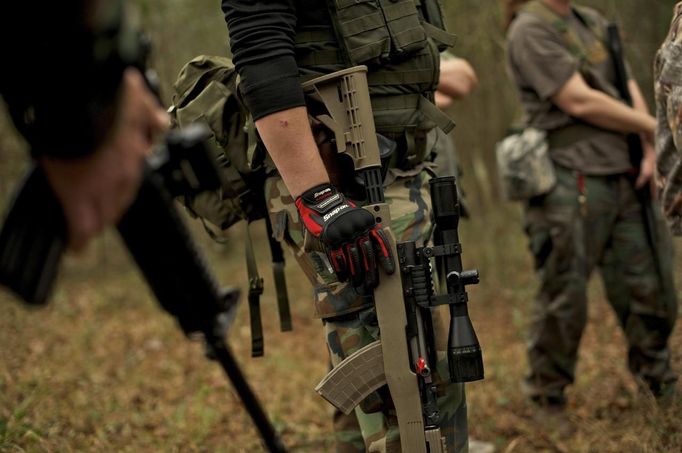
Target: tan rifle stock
{"type": "Point", "coordinates": [341, 102]}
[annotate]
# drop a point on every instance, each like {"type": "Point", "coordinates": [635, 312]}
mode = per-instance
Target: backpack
{"type": "Point", "coordinates": [524, 166]}
{"type": "Point", "coordinates": [206, 91]}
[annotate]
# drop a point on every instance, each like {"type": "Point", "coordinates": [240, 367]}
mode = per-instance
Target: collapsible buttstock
{"type": "Point", "coordinates": [348, 113]}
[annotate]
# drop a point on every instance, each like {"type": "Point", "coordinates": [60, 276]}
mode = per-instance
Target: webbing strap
{"type": "Point", "coordinates": [235, 185]}
{"type": "Point", "coordinates": [315, 35]}
{"type": "Point", "coordinates": [280, 281]}
{"type": "Point", "coordinates": [252, 138]}
{"type": "Point", "coordinates": [212, 234]}
{"type": "Point", "coordinates": [402, 77]}
{"type": "Point", "coordinates": [255, 291]}
{"type": "Point", "coordinates": [397, 102]}
{"type": "Point", "coordinates": [443, 122]}
{"type": "Point", "coordinates": [414, 102]}
{"type": "Point", "coordinates": [320, 58]}
{"type": "Point", "coordinates": [439, 35]}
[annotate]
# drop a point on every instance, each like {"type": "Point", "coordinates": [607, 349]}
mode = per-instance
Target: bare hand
{"type": "Point", "coordinates": [457, 78]}
{"type": "Point", "coordinates": [95, 191]}
{"type": "Point", "coordinates": [647, 169]}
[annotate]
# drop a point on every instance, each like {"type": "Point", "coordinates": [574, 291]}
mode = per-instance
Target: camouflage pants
{"type": "Point", "coordinates": [568, 240]}
{"type": "Point", "coordinates": [350, 320]}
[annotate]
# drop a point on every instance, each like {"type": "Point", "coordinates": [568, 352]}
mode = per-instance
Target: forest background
{"type": "Point", "coordinates": [102, 368]}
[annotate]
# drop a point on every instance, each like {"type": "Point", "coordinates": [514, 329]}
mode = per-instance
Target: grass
{"type": "Point", "coordinates": [103, 369]}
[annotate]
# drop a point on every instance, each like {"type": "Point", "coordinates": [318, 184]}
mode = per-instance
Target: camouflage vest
{"type": "Point", "coordinates": [400, 41]}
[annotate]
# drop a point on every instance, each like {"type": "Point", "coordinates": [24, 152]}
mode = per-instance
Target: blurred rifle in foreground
{"type": "Point", "coordinates": [33, 238]}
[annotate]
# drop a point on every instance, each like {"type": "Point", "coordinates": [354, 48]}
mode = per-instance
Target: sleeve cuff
{"type": "Point", "coordinates": [271, 86]}
{"type": "Point", "coordinates": [560, 79]}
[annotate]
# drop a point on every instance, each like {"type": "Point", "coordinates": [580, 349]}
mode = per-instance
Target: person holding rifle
{"type": "Point", "coordinates": [567, 77]}
{"type": "Point", "coordinates": [279, 44]}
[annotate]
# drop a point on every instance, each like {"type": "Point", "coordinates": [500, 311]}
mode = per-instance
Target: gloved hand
{"type": "Point", "coordinates": [354, 242]}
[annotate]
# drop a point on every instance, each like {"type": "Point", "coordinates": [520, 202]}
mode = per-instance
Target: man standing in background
{"type": "Point", "coordinates": [593, 217]}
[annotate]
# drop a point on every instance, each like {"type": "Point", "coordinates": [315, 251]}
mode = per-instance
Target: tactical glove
{"type": "Point", "coordinates": [354, 242]}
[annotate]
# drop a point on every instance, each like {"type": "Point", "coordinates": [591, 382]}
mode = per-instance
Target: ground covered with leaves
{"type": "Point", "coordinates": [102, 368]}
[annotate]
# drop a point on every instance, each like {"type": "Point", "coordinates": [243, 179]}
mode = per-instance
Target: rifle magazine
{"type": "Point", "coordinates": [354, 379]}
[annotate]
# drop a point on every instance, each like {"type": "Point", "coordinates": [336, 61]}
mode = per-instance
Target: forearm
{"type": "Point", "coordinates": [262, 36]}
{"type": "Point", "coordinates": [601, 110]}
{"type": "Point", "coordinates": [289, 140]}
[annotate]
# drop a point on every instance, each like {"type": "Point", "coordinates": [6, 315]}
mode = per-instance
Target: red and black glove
{"type": "Point", "coordinates": [355, 243]}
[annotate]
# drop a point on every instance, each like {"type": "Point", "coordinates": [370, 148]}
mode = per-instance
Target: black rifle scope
{"type": "Point", "coordinates": [465, 358]}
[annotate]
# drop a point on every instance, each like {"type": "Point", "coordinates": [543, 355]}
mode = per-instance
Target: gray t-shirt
{"type": "Point", "coordinates": [540, 60]}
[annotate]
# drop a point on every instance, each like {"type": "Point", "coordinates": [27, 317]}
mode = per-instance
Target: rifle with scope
{"type": "Point", "coordinates": [405, 355]}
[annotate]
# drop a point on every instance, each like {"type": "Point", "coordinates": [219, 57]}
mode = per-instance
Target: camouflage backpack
{"type": "Point", "coordinates": [206, 91]}
{"type": "Point", "coordinates": [524, 166]}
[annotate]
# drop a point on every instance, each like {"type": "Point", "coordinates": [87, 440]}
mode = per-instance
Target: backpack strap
{"type": "Point", "coordinates": [280, 280]}
{"type": "Point", "coordinates": [255, 291]}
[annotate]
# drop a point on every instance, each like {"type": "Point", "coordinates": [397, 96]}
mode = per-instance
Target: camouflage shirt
{"type": "Point", "coordinates": [668, 78]}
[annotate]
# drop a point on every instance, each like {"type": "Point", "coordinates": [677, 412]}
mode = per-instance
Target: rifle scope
{"type": "Point", "coordinates": [465, 358]}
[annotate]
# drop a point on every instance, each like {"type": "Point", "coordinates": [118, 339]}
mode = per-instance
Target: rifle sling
{"type": "Point", "coordinates": [280, 281]}
{"type": "Point", "coordinates": [255, 291]}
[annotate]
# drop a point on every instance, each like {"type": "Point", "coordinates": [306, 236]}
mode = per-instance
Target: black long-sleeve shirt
{"type": "Point", "coordinates": [262, 38]}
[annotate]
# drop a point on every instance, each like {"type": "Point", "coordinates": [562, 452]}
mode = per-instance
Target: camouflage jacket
{"type": "Point", "coordinates": [668, 77]}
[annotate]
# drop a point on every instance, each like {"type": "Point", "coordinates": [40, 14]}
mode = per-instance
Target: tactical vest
{"type": "Point", "coordinates": [399, 41]}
